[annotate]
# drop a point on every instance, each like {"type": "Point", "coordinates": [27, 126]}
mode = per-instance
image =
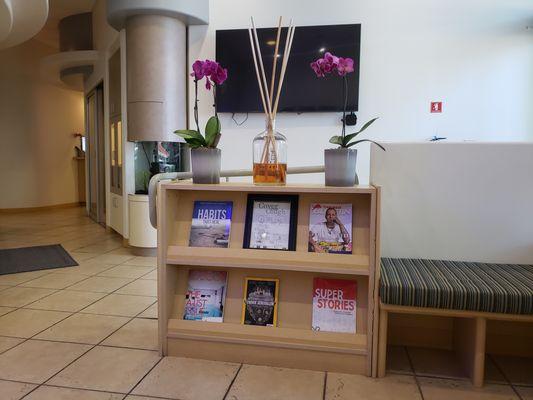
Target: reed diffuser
{"type": "Point", "coordinates": [270, 146]}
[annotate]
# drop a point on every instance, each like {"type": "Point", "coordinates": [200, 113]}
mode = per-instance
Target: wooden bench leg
{"type": "Point", "coordinates": [469, 343]}
{"type": "Point", "coordinates": [382, 342]}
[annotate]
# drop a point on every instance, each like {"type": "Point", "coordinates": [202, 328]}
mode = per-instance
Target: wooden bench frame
{"type": "Point", "coordinates": [469, 335]}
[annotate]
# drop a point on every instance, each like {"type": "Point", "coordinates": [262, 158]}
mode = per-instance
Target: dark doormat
{"type": "Point", "coordinates": [35, 258]}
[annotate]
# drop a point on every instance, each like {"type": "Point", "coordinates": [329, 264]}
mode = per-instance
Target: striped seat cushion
{"type": "Point", "coordinates": [456, 285]}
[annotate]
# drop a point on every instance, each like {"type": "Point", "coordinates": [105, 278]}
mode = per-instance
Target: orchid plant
{"type": "Point", "coordinates": [214, 76]}
{"type": "Point", "coordinates": [331, 64]}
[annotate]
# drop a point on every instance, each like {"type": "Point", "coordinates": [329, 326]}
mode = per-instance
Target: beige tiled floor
{"type": "Point", "coordinates": [90, 333]}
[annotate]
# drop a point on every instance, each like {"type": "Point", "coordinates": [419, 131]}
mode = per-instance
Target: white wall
{"type": "Point", "coordinates": [456, 201]}
{"type": "Point", "coordinates": [37, 121]}
{"type": "Point", "coordinates": [476, 56]}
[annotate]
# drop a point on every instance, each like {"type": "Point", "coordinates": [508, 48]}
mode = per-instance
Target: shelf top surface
{"type": "Point", "coordinates": [250, 187]}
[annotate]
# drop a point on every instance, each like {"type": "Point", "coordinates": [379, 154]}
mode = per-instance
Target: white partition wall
{"type": "Point", "coordinates": [456, 201]}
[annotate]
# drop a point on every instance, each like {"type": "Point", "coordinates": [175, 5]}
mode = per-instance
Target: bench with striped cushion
{"type": "Point", "coordinates": [455, 285]}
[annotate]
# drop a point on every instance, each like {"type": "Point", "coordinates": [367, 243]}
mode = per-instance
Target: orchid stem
{"type": "Point", "coordinates": [345, 95]}
{"type": "Point", "coordinates": [196, 105]}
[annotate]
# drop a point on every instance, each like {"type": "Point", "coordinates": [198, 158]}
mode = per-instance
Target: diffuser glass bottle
{"type": "Point", "coordinates": [270, 157]}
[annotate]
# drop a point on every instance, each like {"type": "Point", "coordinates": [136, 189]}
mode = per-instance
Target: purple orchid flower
{"type": "Point", "coordinates": [331, 63]}
{"type": "Point", "coordinates": [345, 66]}
{"type": "Point", "coordinates": [212, 71]}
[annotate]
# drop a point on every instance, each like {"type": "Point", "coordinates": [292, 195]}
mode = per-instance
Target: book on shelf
{"type": "Point", "coordinates": [211, 224]}
{"type": "Point", "coordinates": [206, 295]}
{"type": "Point", "coordinates": [260, 303]}
{"type": "Point", "coordinates": [330, 228]}
{"type": "Point", "coordinates": [334, 305]}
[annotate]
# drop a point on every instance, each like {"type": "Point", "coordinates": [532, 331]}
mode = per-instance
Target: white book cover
{"type": "Point", "coordinates": [206, 295]}
{"type": "Point", "coordinates": [334, 305]}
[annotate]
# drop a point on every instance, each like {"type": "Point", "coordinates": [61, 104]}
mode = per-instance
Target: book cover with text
{"type": "Point", "coordinates": [334, 305]}
{"type": "Point", "coordinates": [330, 228]}
{"type": "Point", "coordinates": [211, 224]}
{"type": "Point", "coordinates": [260, 303]}
{"type": "Point", "coordinates": [206, 295]}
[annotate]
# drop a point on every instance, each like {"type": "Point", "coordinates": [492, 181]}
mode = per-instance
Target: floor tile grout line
{"type": "Point", "coordinates": [232, 382]}
{"type": "Point", "coordinates": [145, 375]}
{"type": "Point", "coordinates": [67, 387]}
{"type": "Point", "coordinates": [71, 314]}
{"type": "Point", "coordinates": [31, 337]}
{"type": "Point", "coordinates": [502, 372]}
{"type": "Point", "coordinates": [325, 385]}
{"type": "Point", "coordinates": [411, 364]}
{"type": "Point", "coordinates": [77, 358]}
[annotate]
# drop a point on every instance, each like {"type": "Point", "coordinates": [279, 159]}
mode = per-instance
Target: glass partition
{"type": "Point", "coordinates": [152, 158]}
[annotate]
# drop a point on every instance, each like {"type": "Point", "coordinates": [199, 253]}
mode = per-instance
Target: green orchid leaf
{"type": "Point", "coordinates": [188, 133]}
{"type": "Point", "coordinates": [215, 143]}
{"type": "Point", "coordinates": [212, 130]}
{"type": "Point", "coordinates": [196, 142]}
{"type": "Point", "coordinates": [366, 140]}
{"type": "Point", "coordinates": [347, 138]}
{"type": "Point", "coordinates": [336, 140]}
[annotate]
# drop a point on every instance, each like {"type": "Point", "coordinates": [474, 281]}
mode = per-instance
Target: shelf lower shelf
{"type": "Point", "coordinates": [289, 338]}
{"type": "Point", "coordinates": [348, 264]}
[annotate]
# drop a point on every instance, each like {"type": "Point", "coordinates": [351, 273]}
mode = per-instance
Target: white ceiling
{"type": "Point", "coordinates": [60, 9]}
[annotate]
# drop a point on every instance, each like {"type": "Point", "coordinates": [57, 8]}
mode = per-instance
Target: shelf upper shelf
{"type": "Point", "coordinates": [348, 264]}
{"type": "Point", "coordinates": [268, 336]}
{"type": "Point", "coordinates": [249, 187]}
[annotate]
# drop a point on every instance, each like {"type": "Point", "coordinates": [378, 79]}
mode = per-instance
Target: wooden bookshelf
{"type": "Point", "coordinates": [292, 343]}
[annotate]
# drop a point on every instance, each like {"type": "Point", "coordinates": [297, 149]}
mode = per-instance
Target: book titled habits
{"type": "Point", "coordinates": [334, 305]}
{"type": "Point", "coordinates": [205, 297]}
{"type": "Point", "coordinates": [211, 224]}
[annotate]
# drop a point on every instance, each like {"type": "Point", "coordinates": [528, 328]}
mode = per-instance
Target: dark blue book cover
{"type": "Point", "coordinates": [211, 224]}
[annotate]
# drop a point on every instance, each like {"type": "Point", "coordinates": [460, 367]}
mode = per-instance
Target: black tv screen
{"type": "Point", "coordinates": [302, 91]}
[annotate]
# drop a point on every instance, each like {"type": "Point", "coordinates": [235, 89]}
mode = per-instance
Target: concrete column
{"type": "Point", "coordinates": [157, 77]}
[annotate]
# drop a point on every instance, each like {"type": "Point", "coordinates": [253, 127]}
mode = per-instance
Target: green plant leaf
{"type": "Point", "coordinates": [347, 138]}
{"type": "Point", "coordinates": [196, 142]}
{"type": "Point", "coordinates": [366, 140]}
{"type": "Point", "coordinates": [336, 140]}
{"type": "Point", "coordinates": [188, 133]}
{"type": "Point", "coordinates": [212, 130]}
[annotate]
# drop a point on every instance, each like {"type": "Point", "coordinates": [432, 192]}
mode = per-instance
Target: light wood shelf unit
{"type": "Point", "coordinates": [292, 343]}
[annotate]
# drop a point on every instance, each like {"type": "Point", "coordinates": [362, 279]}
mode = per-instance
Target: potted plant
{"type": "Point", "coordinates": [205, 156]}
{"type": "Point", "coordinates": [340, 162]}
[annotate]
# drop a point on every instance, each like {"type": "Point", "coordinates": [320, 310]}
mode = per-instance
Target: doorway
{"type": "Point", "coordinates": [94, 107]}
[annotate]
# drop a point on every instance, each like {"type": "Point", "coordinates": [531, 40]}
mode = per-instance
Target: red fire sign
{"type": "Point", "coordinates": [436, 107]}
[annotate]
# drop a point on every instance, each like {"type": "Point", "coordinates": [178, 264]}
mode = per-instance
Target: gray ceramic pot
{"type": "Point", "coordinates": [340, 167]}
{"type": "Point", "coordinates": [205, 165]}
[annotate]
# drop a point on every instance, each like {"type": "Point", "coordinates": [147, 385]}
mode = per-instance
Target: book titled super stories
{"type": "Point", "coordinates": [334, 305]}
{"type": "Point", "coordinates": [206, 295]}
{"type": "Point", "coordinates": [211, 224]}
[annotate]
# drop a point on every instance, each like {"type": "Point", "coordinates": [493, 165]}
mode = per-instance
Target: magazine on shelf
{"type": "Point", "coordinates": [330, 228]}
{"type": "Point", "coordinates": [334, 305]}
{"type": "Point", "coordinates": [260, 303]}
{"type": "Point", "coordinates": [211, 224]}
{"type": "Point", "coordinates": [206, 294]}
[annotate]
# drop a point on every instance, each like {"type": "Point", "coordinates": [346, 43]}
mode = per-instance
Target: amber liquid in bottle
{"type": "Point", "coordinates": [270, 174]}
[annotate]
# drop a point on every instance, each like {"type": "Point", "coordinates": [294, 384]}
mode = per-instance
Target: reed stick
{"type": "Point", "coordinates": [286, 54]}
{"type": "Point", "coordinates": [257, 72]}
{"type": "Point", "coordinates": [270, 107]}
{"type": "Point", "coordinates": [274, 63]}
{"type": "Point", "coordinates": [258, 48]}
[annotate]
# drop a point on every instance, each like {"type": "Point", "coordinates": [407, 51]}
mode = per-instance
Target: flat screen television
{"type": "Point", "coordinates": [302, 90]}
